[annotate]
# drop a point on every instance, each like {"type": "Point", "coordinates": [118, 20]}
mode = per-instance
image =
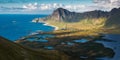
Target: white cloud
{"type": "Point", "coordinates": [30, 6]}
{"type": "Point", "coordinates": [53, 6]}
{"type": "Point", "coordinates": [106, 4]}
{"type": "Point", "coordinates": [35, 7]}
{"type": "Point", "coordinates": [97, 5]}
{"type": "Point", "coordinates": [49, 6]}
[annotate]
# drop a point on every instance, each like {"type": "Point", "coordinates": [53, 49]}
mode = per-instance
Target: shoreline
{"type": "Point", "coordinates": [47, 24]}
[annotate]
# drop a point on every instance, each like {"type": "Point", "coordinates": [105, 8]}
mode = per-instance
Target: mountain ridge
{"type": "Point", "coordinates": [62, 14]}
{"type": "Point", "coordinates": [106, 19]}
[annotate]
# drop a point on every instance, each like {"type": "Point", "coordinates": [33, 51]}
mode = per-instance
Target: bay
{"type": "Point", "coordinates": [15, 26]}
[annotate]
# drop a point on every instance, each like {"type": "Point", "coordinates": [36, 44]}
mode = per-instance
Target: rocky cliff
{"type": "Point", "coordinates": [61, 14]}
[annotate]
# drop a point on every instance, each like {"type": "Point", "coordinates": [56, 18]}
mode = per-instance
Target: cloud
{"type": "Point", "coordinates": [17, 1]}
{"type": "Point", "coordinates": [4, 9]}
{"type": "Point", "coordinates": [42, 6]}
{"type": "Point", "coordinates": [30, 6]}
{"type": "Point", "coordinates": [45, 7]}
{"type": "Point", "coordinates": [106, 4]}
{"type": "Point", "coordinates": [11, 8]}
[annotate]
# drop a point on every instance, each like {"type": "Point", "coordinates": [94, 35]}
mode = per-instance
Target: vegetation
{"type": "Point", "coordinates": [13, 51]}
{"type": "Point", "coordinates": [63, 41]}
{"type": "Point", "coordinates": [88, 26]}
{"type": "Point", "coordinates": [88, 29]}
{"type": "Point", "coordinates": [85, 24]}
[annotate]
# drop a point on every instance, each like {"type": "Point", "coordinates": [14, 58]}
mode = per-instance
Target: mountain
{"type": "Point", "coordinates": [63, 15]}
{"type": "Point", "coordinates": [114, 18]}
{"type": "Point", "coordinates": [13, 51]}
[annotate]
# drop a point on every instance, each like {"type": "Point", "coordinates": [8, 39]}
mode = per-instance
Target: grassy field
{"type": "Point", "coordinates": [86, 24]}
{"type": "Point", "coordinates": [85, 27]}
{"type": "Point", "coordinates": [13, 51]}
{"type": "Point", "coordinates": [89, 25]}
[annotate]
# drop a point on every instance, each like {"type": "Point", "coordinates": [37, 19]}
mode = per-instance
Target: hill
{"type": "Point", "coordinates": [61, 14]}
{"type": "Point", "coordinates": [13, 51]}
{"type": "Point", "coordinates": [88, 20]}
{"type": "Point", "coordinates": [114, 18]}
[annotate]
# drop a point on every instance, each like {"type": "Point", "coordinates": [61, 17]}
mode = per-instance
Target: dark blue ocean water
{"type": "Point", "coordinates": [15, 26]}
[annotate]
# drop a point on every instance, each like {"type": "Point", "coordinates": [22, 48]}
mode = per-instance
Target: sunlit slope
{"type": "Point", "coordinates": [85, 24]}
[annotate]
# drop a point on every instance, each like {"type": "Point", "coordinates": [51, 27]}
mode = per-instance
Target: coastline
{"type": "Point", "coordinates": [47, 24]}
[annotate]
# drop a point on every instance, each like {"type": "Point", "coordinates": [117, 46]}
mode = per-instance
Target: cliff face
{"type": "Point", "coordinates": [61, 14]}
{"type": "Point", "coordinates": [114, 18]}
{"type": "Point", "coordinates": [95, 14]}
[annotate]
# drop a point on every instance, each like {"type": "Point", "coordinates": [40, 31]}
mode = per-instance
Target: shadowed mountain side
{"type": "Point", "coordinates": [114, 18]}
{"type": "Point", "coordinates": [13, 51]}
{"type": "Point", "coordinates": [61, 14]}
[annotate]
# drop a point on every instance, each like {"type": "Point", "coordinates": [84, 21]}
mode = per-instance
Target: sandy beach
{"type": "Point", "coordinates": [47, 24]}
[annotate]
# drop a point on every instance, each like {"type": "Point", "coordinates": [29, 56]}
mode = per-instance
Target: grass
{"type": "Point", "coordinates": [86, 27]}
{"type": "Point", "coordinates": [88, 24]}
{"type": "Point", "coordinates": [74, 33]}
{"type": "Point", "coordinates": [85, 24]}
{"type": "Point", "coordinates": [13, 51]}
{"type": "Point", "coordinates": [83, 28]}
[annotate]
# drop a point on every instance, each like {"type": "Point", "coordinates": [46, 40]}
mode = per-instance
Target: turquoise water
{"type": "Point", "coordinates": [81, 41]}
{"type": "Point", "coordinates": [40, 38]}
{"type": "Point", "coordinates": [49, 47]}
{"type": "Point", "coordinates": [15, 26]}
{"type": "Point", "coordinates": [70, 43]}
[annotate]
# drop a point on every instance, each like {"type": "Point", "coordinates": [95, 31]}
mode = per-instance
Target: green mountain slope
{"type": "Point", "coordinates": [13, 51]}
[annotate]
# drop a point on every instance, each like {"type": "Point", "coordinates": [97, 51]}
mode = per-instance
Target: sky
{"type": "Point", "coordinates": [48, 6]}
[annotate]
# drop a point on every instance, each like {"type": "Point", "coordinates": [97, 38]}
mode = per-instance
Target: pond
{"type": "Point", "coordinates": [70, 43]}
{"type": "Point", "coordinates": [81, 41]}
{"type": "Point", "coordinates": [49, 47]}
{"type": "Point", "coordinates": [40, 38]}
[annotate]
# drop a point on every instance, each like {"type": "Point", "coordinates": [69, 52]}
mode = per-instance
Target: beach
{"type": "Point", "coordinates": [46, 24]}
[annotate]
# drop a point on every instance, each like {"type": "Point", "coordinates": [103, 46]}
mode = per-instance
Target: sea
{"type": "Point", "coordinates": [16, 26]}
